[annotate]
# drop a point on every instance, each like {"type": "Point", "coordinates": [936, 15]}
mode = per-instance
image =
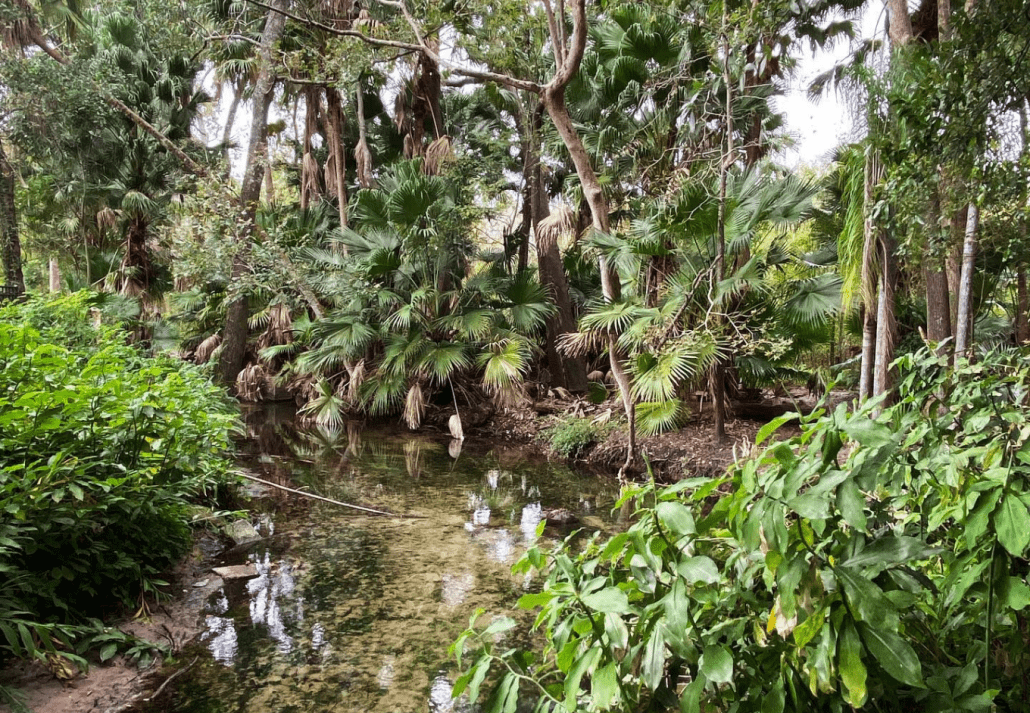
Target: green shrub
{"type": "Point", "coordinates": [102, 449]}
{"type": "Point", "coordinates": [876, 561]}
{"type": "Point", "coordinates": [572, 435]}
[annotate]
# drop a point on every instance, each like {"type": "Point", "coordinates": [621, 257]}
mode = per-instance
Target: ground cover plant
{"type": "Point", "coordinates": [876, 561]}
{"type": "Point", "coordinates": [103, 450]}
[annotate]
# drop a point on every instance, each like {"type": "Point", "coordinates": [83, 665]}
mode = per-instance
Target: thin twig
{"type": "Point", "coordinates": [270, 484]}
{"type": "Point", "coordinates": [169, 680]}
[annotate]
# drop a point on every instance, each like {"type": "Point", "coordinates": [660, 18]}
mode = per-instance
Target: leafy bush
{"type": "Point", "coordinates": [878, 561]}
{"type": "Point", "coordinates": [573, 435]}
{"type": "Point", "coordinates": [102, 449]}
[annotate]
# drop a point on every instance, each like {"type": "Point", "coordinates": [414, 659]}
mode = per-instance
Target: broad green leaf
{"type": "Point", "coordinates": [499, 626]}
{"type": "Point", "coordinates": [676, 517]}
{"type": "Point", "coordinates": [653, 664]}
{"type": "Point", "coordinates": [610, 600]}
{"type": "Point", "coordinates": [532, 601]}
{"type": "Point", "coordinates": [717, 664]}
{"type": "Point", "coordinates": [698, 569]}
{"type": "Point", "coordinates": [690, 699]}
{"type": "Point", "coordinates": [895, 655]}
{"type": "Point", "coordinates": [810, 505]}
{"type": "Point", "coordinates": [852, 670]}
{"type": "Point", "coordinates": [108, 651]}
{"type": "Point", "coordinates": [866, 599]}
{"type": "Point", "coordinates": [807, 630]}
{"type": "Point", "coordinates": [771, 427]}
{"type": "Point", "coordinates": [867, 432]}
{"type": "Point", "coordinates": [1017, 594]}
{"type": "Point", "coordinates": [773, 701]}
{"type": "Point", "coordinates": [890, 550]}
{"type": "Point", "coordinates": [1012, 525]}
{"type": "Point", "coordinates": [851, 504]}
{"type": "Point", "coordinates": [604, 687]}
{"type": "Point", "coordinates": [576, 673]}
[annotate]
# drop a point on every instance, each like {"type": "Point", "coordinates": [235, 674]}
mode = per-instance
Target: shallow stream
{"type": "Point", "coordinates": [355, 613]}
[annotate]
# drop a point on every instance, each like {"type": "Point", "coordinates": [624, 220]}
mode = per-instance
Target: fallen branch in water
{"type": "Point", "coordinates": [256, 479]}
{"type": "Point", "coordinates": [169, 679]}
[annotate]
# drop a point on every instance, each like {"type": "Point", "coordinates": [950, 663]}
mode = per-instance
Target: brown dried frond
{"type": "Point", "coordinates": [249, 383]}
{"type": "Point", "coordinates": [512, 395]}
{"type": "Point", "coordinates": [414, 406]}
{"type": "Point", "coordinates": [310, 183]}
{"type": "Point", "coordinates": [438, 154]}
{"type": "Point", "coordinates": [355, 378]}
{"type": "Point", "coordinates": [22, 32]}
{"type": "Point", "coordinates": [107, 218]}
{"type": "Point", "coordinates": [561, 222]}
{"type": "Point", "coordinates": [363, 161]}
{"type": "Point", "coordinates": [581, 344]}
{"type": "Point", "coordinates": [409, 146]}
{"type": "Point", "coordinates": [400, 112]}
{"type": "Point", "coordinates": [279, 329]}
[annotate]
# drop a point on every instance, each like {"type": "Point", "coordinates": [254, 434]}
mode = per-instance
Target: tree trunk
{"type": "Point", "coordinates": [869, 282]}
{"type": "Point", "coordinates": [310, 180]}
{"type": "Point", "coordinates": [234, 339]}
{"type": "Point", "coordinates": [886, 321]}
{"type": "Point", "coordinates": [964, 331]}
{"type": "Point", "coordinates": [334, 104]}
{"type": "Point", "coordinates": [1022, 308]}
{"type": "Point", "coordinates": [717, 376]}
{"type": "Point", "coordinates": [10, 243]}
{"type": "Point", "coordinates": [567, 372]}
{"type": "Point", "coordinates": [138, 269]}
{"type": "Point", "coordinates": [230, 119]}
{"type": "Point", "coordinates": [553, 97]}
{"type": "Point", "coordinates": [938, 301]}
{"type": "Point", "coordinates": [55, 276]}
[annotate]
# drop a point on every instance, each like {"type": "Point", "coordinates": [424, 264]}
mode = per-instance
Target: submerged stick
{"type": "Point", "coordinates": [184, 669]}
{"type": "Point", "coordinates": [319, 497]}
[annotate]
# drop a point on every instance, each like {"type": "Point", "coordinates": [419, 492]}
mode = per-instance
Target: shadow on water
{"type": "Point", "coordinates": [355, 613]}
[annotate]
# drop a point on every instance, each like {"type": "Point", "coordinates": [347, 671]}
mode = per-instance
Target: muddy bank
{"type": "Point", "coordinates": [114, 685]}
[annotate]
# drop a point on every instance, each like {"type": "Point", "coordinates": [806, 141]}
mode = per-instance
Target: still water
{"type": "Point", "coordinates": [355, 613]}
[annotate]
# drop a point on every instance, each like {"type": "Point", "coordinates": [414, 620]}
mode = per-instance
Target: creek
{"type": "Point", "coordinates": [351, 612]}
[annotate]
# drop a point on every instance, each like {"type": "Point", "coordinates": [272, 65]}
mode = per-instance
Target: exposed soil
{"type": "Point", "coordinates": [113, 686]}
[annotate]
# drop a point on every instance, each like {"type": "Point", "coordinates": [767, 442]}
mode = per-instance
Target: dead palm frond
{"type": "Point", "coordinates": [207, 348]}
{"type": "Point", "coordinates": [414, 406]}
{"type": "Point", "coordinates": [250, 382]}
{"type": "Point", "coordinates": [438, 154]}
{"type": "Point", "coordinates": [363, 161]}
{"type": "Point", "coordinates": [560, 223]}
{"type": "Point", "coordinates": [310, 183]}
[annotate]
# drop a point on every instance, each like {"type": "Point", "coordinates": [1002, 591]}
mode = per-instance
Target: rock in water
{"type": "Point", "coordinates": [242, 532]}
{"type": "Point", "coordinates": [236, 571]}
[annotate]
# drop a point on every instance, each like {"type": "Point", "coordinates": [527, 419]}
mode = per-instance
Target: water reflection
{"type": "Point", "coordinates": [351, 613]}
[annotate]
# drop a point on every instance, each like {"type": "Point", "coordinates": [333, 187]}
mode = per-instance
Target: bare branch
{"type": "Point", "coordinates": [557, 42]}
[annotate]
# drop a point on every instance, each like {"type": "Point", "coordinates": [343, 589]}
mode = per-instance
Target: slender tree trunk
{"type": "Point", "coordinates": [334, 104]}
{"type": "Point", "coordinates": [869, 282]}
{"type": "Point", "coordinates": [553, 96]}
{"type": "Point", "coordinates": [310, 180]}
{"type": "Point", "coordinates": [568, 372]}
{"type": "Point", "coordinates": [717, 376]}
{"type": "Point", "coordinates": [137, 265]}
{"type": "Point", "coordinates": [938, 301]}
{"type": "Point", "coordinates": [55, 275]}
{"type": "Point", "coordinates": [230, 119]}
{"type": "Point", "coordinates": [234, 339]}
{"type": "Point", "coordinates": [1022, 308]}
{"type": "Point", "coordinates": [964, 332]}
{"type": "Point", "coordinates": [886, 321]}
{"type": "Point", "coordinates": [10, 243]}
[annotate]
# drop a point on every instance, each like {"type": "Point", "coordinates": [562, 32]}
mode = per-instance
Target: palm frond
{"type": "Point", "coordinates": [654, 417]}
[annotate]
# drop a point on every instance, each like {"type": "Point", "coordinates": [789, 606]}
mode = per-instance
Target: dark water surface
{"type": "Point", "coordinates": [353, 612]}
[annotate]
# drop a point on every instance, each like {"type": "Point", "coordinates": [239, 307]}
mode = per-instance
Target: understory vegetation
{"type": "Point", "coordinates": [876, 560]}
{"type": "Point", "coordinates": [104, 451]}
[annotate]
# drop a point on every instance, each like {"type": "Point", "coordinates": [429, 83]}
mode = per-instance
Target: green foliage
{"type": "Point", "coordinates": [573, 434]}
{"type": "Point", "coordinates": [877, 561]}
{"type": "Point", "coordinates": [102, 450]}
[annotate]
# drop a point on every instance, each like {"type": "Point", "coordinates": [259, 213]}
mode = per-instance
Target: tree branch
{"type": "Point", "coordinates": [482, 76]}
